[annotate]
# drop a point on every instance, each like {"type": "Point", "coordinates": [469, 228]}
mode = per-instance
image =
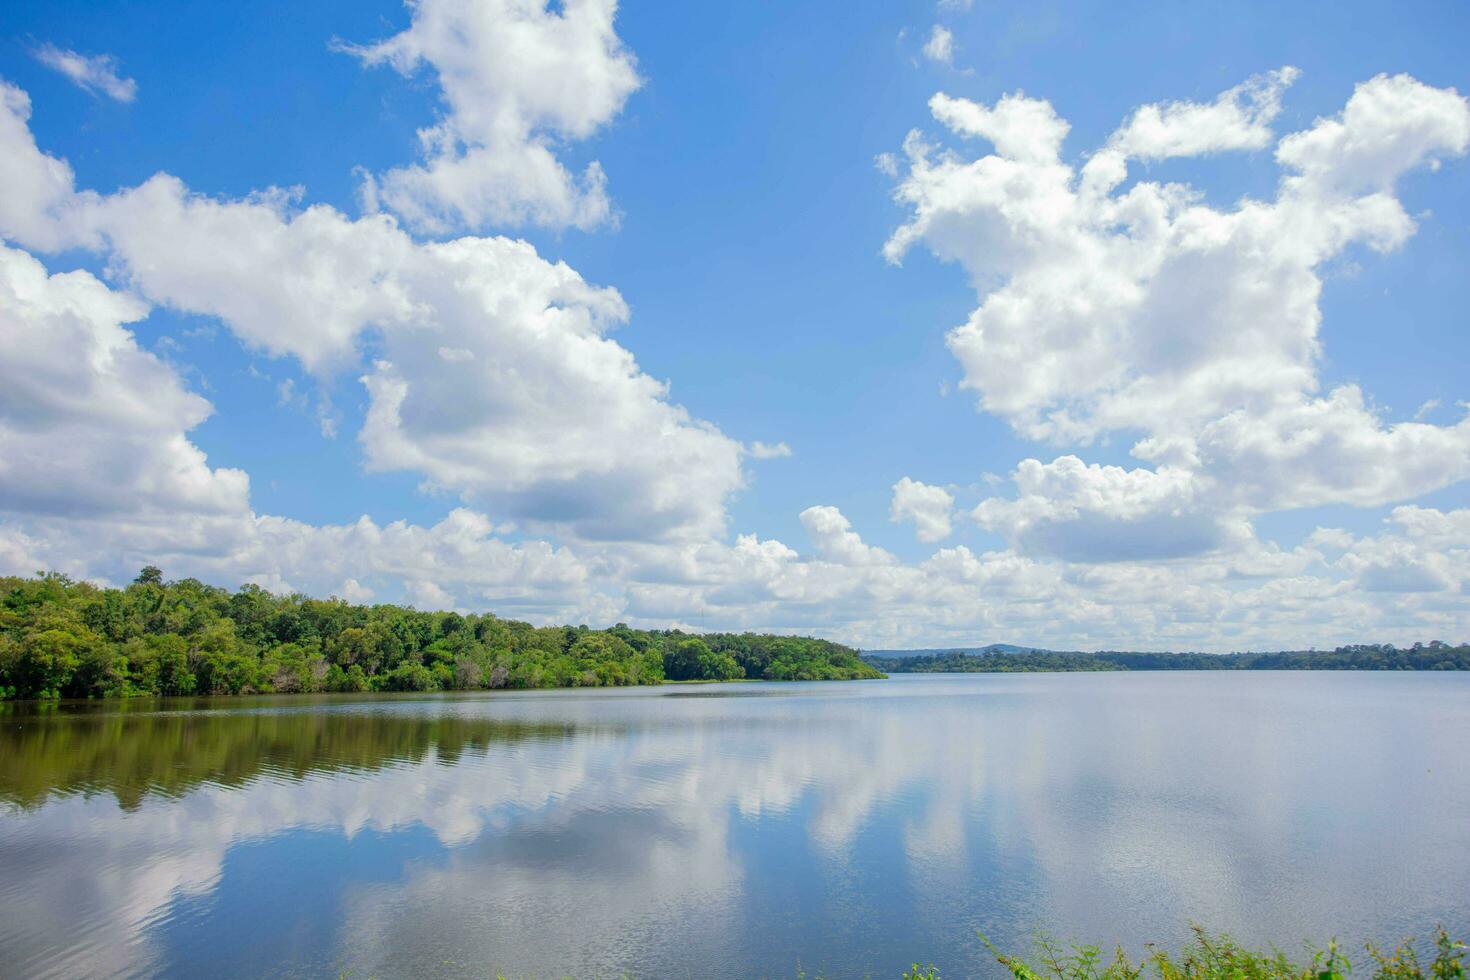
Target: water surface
{"type": "Point", "coordinates": [729, 830]}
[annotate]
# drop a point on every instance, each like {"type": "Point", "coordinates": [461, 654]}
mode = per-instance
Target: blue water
{"type": "Point", "coordinates": [739, 830]}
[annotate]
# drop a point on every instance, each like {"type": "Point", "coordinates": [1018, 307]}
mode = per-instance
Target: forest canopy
{"type": "Point", "coordinates": [61, 638]}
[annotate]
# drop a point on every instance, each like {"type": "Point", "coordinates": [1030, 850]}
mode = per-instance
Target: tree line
{"type": "Point", "coordinates": [1435, 655]}
{"type": "Point", "coordinates": [61, 638]}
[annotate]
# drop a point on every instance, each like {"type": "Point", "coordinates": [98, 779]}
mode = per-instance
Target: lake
{"type": "Point", "coordinates": [737, 830]}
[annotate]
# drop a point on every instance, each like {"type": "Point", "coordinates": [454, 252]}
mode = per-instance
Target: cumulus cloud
{"type": "Point", "coordinates": [1333, 449]}
{"type": "Point", "coordinates": [1143, 309]}
{"type": "Point", "coordinates": [39, 189]}
{"type": "Point", "coordinates": [94, 73]}
{"type": "Point", "coordinates": [518, 77]}
{"type": "Point", "coordinates": [91, 424]}
{"type": "Point", "coordinates": [1391, 125]}
{"type": "Point", "coordinates": [832, 535]}
{"type": "Point", "coordinates": [1239, 119]}
{"type": "Point", "coordinates": [496, 379]}
{"type": "Point", "coordinates": [1423, 551]}
{"type": "Point", "coordinates": [1080, 512]}
{"type": "Point", "coordinates": [940, 46]}
{"type": "Point", "coordinates": [548, 418]}
{"type": "Point", "coordinates": [1149, 309]}
{"type": "Point", "coordinates": [929, 508]}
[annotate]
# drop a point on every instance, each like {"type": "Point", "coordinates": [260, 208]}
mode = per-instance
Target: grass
{"type": "Point", "coordinates": [1218, 957]}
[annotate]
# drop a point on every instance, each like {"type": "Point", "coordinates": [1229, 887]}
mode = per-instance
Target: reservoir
{"type": "Point", "coordinates": [731, 830]}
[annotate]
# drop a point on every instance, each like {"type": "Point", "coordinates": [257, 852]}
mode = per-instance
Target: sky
{"type": "Point", "coordinates": [919, 324]}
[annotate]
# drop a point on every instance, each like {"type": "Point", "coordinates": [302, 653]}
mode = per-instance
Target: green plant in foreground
{"type": "Point", "coordinates": [1221, 958]}
{"type": "Point", "coordinates": [916, 972]}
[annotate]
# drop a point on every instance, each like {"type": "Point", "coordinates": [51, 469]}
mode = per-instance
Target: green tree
{"type": "Point", "coordinates": [41, 663]}
{"type": "Point", "coordinates": [410, 677]}
{"type": "Point", "coordinates": [692, 659]}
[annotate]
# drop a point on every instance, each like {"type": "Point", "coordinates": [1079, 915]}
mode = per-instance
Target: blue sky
{"type": "Point", "coordinates": [746, 231]}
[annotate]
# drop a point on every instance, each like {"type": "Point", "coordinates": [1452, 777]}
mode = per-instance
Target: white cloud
{"type": "Point", "coordinates": [940, 46]}
{"type": "Point", "coordinates": [1327, 450]}
{"type": "Point", "coordinates": [94, 73]}
{"type": "Point", "coordinates": [300, 282]}
{"type": "Point", "coordinates": [534, 410]}
{"type": "Point", "coordinates": [1147, 310]}
{"type": "Point", "coordinates": [91, 424]}
{"type": "Point", "coordinates": [1423, 551]}
{"type": "Point", "coordinates": [287, 396]}
{"type": "Point", "coordinates": [833, 537]}
{"type": "Point", "coordinates": [1390, 126]}
{"type": "Point", "coordinates": [769, 450]}
{"type": "Point", "coordinates": [354, 591]}
{"type": "Point", "coordinates": [1021, 129]}
{"type": "Point", "coordinates": [517, 77]}
{"type": "Point", "coordinates": [427, 595]}
{"type": "Point", "coordinates": [550, 419]}
{"type": "Point", "coordinates": [1239, 119]}
{"type": "Point", "coordinates": [928, 507]}
{"type": "Point", "coordinates": [38, 188]}
{"type": "Point", "coordinates": [1425, 409]}
{"type": "Point", "coordinates": [1082, 512]}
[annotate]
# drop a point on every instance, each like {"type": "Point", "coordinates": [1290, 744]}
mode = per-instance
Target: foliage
{"type": "Point", "coordinates": [790, 658]}
{"type": "Point", "coordinates": [692, 659]}
{"type": "Point", "coordinates": [1221, 958]}
{"type": "Point", "coordinates": [916, 972]}
{"type": "Point", "coordinates": [1421, 656]}
{"type": "Point", "coordinates": [66, 639]}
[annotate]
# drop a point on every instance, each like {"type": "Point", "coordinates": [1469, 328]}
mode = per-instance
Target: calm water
{"type": "Point", "coordinates": [730, 831]}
